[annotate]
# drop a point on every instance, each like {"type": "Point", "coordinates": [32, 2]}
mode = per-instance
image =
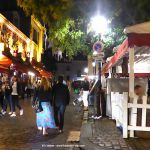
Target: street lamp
{"type": "Point", "coordinates": [99, 24]}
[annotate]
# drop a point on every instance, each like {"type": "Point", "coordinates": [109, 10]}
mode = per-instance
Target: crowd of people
{"type": "Point", "coordinates": [49, 100]}
{"type": "Point", "coordinates": [9, 96]}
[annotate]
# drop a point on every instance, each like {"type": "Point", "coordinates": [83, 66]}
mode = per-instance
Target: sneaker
{"type": "Point", "coordinates": [45, 133]}
{"type": "Point", "coordinates": [4, 112]}
{"type": "Point", "coordinates": [21, 112]}
{"type": "Point", "coordinates": [60, 131]}
{"type": "Point", "coordinates": [97, 117]}
{"type": "Point", "coordinates": [74, 103]}
{"type": "Point", "coordinates": [10, 113]}
{"type": "Point", "coordinates": [13, 115]}
{"type": "Point", "coordinates": [40, 128]}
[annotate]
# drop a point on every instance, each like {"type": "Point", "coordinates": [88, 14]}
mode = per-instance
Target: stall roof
{"type": "Point", "coordinates": [139, 28]}
{"type": "Point", "coordinates": [137, 36]}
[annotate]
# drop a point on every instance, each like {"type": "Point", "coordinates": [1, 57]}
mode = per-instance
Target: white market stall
{"type": "Point", "coordinates": [137, 48]}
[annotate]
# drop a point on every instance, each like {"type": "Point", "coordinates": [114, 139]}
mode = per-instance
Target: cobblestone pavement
{"type": "Point", "coordinates": [20, 133]}
{"type": "Point", "coordinates": [105, 136]}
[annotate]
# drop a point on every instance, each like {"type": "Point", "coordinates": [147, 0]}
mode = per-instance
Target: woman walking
{"type": "Point", "coordinates": [45, 118]}
{"type": "Point", "coordinates": [15, 97]}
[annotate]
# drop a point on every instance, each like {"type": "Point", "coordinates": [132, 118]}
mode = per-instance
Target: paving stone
{"type": "Point", "coordinates": [108, 144]}
{"type": "Point", "coordinates": [115, 143]}
{"type": "Point", "coordinates": [102, 144]}
{"type": "Point", "coordinates": [117, 147]}
{"type": "Point", "coordinates": [96, 142]}
{"type": "Point", "coordinates": [125, 148]}
{"type": "Point", "coordinates": [110, 147]}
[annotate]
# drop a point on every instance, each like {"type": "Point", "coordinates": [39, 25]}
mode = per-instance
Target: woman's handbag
{"type": "Point", "coordinates": [37, 106]}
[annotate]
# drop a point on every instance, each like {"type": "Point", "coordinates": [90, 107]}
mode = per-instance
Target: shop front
{"type": "Point", "coordinates": [17, 50]}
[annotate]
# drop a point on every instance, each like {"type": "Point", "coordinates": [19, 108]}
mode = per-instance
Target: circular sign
{"type": "Point", "coordinates": [98, 47]}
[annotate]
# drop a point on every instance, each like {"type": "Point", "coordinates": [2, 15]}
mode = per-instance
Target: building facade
{"type": "Point", "coordinates": [17, 42]}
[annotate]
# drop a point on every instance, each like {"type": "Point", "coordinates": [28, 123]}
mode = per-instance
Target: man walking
{"type": "Point", "coordinates": [61, 98]}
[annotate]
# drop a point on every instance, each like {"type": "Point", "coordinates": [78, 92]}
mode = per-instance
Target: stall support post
{"type": "Point", "coordinates": [125, 115]}
{"type": "Point", "coordinates": [131, 81]}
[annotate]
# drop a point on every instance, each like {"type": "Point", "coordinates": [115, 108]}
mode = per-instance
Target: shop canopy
{"type": "Point", "coordinates": [5, 61]}
{"type": "Point", "coordinates": [3, 69]}
{"type": "Point", "coordinates": [34, 66]}
{"type": "Point", "coordinates": [39, 67]}
{"type": "Point", "coordinates": [45, 73]}
{"type": "Point", "coordinates": [138, 36]}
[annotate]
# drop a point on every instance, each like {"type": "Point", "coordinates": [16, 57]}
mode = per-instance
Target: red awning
{"type": "Point", "coordinates": [5, 61]}
{"type": "Point", "coordinates": [120, 52]}
{"type": "Point", "coordinates": [139, 40]}
{"type": "Point", "coordinates": [36, 64]}
{"type": "Point", "coordinates": [3, 69]}
{"type": "Point", "coordinates": [45, 73]}
{"type": "Point", "coordinates": [39, 67]}
{"type": "Point", "coordinates": [21, 68]}
{"type": "Point", "coordinates": [133, 39]}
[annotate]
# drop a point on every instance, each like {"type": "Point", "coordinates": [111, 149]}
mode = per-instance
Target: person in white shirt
{"type": "Point", "coordinates": [15, 98]}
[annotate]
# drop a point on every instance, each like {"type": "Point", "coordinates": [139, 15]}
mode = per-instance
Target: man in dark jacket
{"type": "Point", "coordinates": [61, 98]}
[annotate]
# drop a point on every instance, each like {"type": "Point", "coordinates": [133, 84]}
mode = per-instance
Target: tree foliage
{"type": "Point", "coordinates": [68, 19]}
{"type": "Point", "coordinates": [68, 38]}
{"type": "Point", "coordinates": [49, 11]}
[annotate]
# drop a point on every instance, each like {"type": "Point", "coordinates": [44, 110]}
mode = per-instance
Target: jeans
{"type": "Point", "coordinates": [2, 102]}
{"type": "Point", "coordinates": [15, 102]}
{"type": "Point", "coordinates": [91, 100]}
{"type": "Point", "coordinates": [8, 102]}
{"type": "Point", "coordinates": [59, 112]}
{"type": "Point", "coordinates": [101, 104]}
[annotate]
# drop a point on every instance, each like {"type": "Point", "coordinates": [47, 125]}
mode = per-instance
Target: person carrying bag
{"type": "Point", "coordinates": [42, 104]}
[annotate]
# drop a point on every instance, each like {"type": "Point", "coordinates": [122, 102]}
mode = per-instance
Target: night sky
{"type": "Point", "coordinates": [8, 5]}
